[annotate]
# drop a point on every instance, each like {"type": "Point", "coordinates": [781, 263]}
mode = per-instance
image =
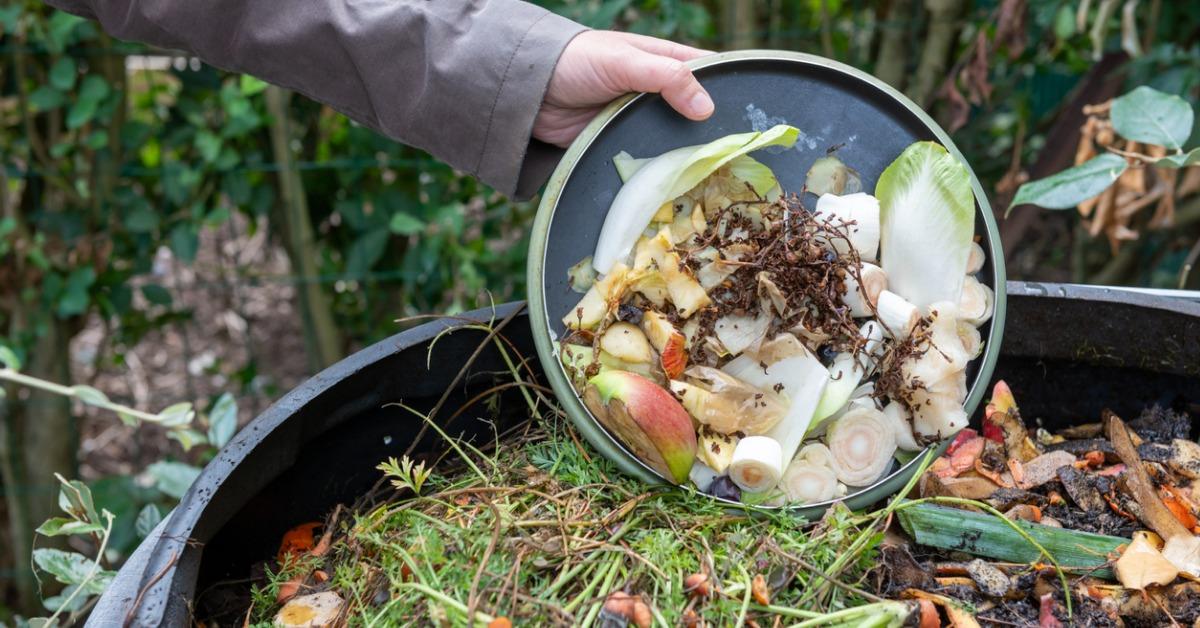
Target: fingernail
{"type": "Point", "coordinates": [701, 104]}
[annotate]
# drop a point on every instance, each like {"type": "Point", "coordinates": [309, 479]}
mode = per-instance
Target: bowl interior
{"type": "Point", "coordinates": [831, 104]}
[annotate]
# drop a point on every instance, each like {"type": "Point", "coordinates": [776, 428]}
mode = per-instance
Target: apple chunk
{"type": "Point", "coordinates": [668, 341]}
{"type": "Point", "coordinates": [647, 419]}
{"type": "Point", "coordinates": [626, 342]}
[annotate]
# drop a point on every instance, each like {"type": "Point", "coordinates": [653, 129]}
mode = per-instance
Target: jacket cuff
{"type": "Point", "coordinates": [511, 160]}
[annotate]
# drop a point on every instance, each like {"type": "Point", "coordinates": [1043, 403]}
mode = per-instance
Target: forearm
{"type": "Point", "coordinates": [461, 79]}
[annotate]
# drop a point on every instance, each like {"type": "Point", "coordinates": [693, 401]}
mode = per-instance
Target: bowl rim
{"type": "Point", "coordinates": [539, 318]}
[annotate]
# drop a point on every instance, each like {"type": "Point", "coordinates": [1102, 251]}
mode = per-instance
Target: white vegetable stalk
{"type": "Point", "coordinates": [975, 305]}
{"type": "Point", "coordinates": [857, 215]}
{"type": "Point", "coordinates": [861, 296]}
{"type": "Point", "coordinates": [757, 464]}
{"type": "Point", "coordinates": [899, 317]}
{"type": "Point", "coordinates": [805, 482]}
{"type": "Point", "coordinates": [975, 258]}
{"type": "Point", "coordinates": [802, 379]}
{"type": "Point", "coordinates": [937, 377]}
{"type": "Point", "coordinates": [738, 333]}
{"type": "Point", "coordinates": [900, 420]}
{"type": "Point", "coordinates": [927, 211]}
{"type": "Point", "coordinates": [848, 370]}
{"type": "Point", "coordinates": [862, 444]}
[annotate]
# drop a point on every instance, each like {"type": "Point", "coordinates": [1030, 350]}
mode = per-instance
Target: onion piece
{"type": "Point", "coordinates": [862, 444]}
{"type": "Point", "coordinates": [975, 304]}
{"type": "Point", "coordinates": [858, 216]}
{"type": "Point", "coordinates": [900, 419]}
{"type": "Point", "coordinates": [971, 339]}
{"type": "Point", "coordinates": [582, 275]}
{"type": "Point", "coordinates": [899, 317]}
{"type": "Point", "coordinates": [975, 258]}
{"type": "Point", "coordinates": [861, 296]}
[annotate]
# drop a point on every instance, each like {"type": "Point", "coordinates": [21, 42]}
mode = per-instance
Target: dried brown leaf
{"type": "Point", "coordinates": [1142, 564]}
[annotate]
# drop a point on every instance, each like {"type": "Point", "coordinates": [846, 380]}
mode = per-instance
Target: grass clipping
{"type": "Point", "coordinates": [539, 530]}
{"type": "Point", "coordinates": [543, 532]}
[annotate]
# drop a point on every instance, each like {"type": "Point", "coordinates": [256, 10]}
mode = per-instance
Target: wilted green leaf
{"type": "Point", "coordinates": [1073, 185]}
{"type": "Point", "coordinates": [75, 499]}
{"type": "Point", "coordinates": [222, 420]}
{"type": "Point", "coordinates": [1148, 115]}
{"type": "Point", "coordinates": [173, 478]}
{"type": "Point", "coordinates": [89, 395]}
{"type": "Point", "coordinates": [406, 224]}
{"type": "Point", "coordinates": [62, 526]}
{"type": "Point", "coordinates": [62, 73]}
{"type": "Point", "coordinates": [147, 519]}
{"type": "Point", "coordinates": [156, 294]}
{"type": "Point", "coordinates": [1180, 160]}
{"type": "Point", "coordinates": [9, 358]}
{"type": "Point", "coordinates": [46, 98]}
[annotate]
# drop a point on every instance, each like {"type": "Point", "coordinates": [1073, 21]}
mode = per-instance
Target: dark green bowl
{"type": "Point", "coordinates": [830, 102]}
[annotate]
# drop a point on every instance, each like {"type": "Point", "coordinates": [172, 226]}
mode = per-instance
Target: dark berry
{"type": "Point", "coordinates": [827, 354]}
{"type": "Point", "coordinates": [629, 313]}
{"type": "Point", "coordinates": [724, 488]}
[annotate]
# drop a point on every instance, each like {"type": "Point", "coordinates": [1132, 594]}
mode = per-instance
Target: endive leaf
{"type": "Point", "coordinates": [927, 211]}
{"type": "Point", "coordinates": [666, 177]}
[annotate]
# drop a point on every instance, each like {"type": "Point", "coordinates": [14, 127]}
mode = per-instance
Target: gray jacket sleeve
{"type": "Point", "coordinates": [462, 79]}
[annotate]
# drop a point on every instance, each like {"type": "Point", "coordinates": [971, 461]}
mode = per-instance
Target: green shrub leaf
{"type": "Point", "coordinates": [173, 478]}
{"type": "Point", "coordinates": [147, 519]}
{"type": "Point", "coordinates": [1073, 185]}
{"type": "Point", "coordinates": [62, 73]}
{"type": "Point", "coordinates": [89, 395]}
{"type": "Point", "coordinates": [1180, 160]}
{"type": "Point", "coordinates": [62, 526]}
{"type": "Point", "coordinates": [177, 415]}
{"type": "Point", "coordinates": [1148, 115]}
{"type": "Point", "coordinates": [222, 420]}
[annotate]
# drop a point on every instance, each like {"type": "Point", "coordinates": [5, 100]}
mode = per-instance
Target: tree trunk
{"type": "Point", "coordinates": [321, 335]}
{"type": "Point", "coordinates": [939, 41]}
{"type": "Point", "coordinates": [741, 24]}
{"type": "Point", "coordinates": [893, 44]}
{"type": "Point", "coordinates": [38, 438]}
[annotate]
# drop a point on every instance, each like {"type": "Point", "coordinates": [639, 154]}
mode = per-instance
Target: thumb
{"type": "Point", "coordinates": [640, 71]}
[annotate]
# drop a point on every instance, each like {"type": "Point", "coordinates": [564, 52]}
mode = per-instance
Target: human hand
{"type": "Point", "coordinates": [598, 66]}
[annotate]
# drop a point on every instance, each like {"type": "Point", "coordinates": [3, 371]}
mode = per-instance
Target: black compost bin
{"type": "Point", "coordinates": [1069, 352]}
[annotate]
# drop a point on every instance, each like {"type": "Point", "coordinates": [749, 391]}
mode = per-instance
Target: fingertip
{"type": "Point", "coordinates": [700, 106]}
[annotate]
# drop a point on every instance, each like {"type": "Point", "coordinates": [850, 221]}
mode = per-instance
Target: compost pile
{"type": "Point", "coordinates": [1111, 506]}
{"type": "Point", "coordinates": [1094, 525]}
